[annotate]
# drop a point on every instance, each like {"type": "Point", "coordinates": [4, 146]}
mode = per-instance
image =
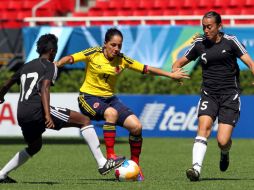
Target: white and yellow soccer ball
{"type": "Point", "coordinates": [128, 171]}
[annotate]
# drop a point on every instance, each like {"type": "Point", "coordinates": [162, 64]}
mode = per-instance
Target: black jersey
{"type": "Point", "coordinates": [30, 77]}
{"type": "Point", "coordinates": [220, 70]}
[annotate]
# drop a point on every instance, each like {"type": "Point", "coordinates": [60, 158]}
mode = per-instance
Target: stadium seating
{"type": "Point", "coordinates": [23, 8]}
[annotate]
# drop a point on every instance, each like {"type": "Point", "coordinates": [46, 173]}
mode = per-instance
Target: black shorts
{"type": "Point", "coordinates": [226, 107]}
{"type": "Point", "coordinates": [95, 106]}
{"type": "Point", "coordinates": [33, 130]}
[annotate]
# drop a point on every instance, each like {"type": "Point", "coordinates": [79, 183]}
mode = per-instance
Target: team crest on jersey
{"type": "Point", "coordinates": [118, 69]}
{"type": "Point", "coordinates": [96, 105]}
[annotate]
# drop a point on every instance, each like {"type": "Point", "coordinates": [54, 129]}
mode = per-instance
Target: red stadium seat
{"type": "Point", "coordinates": [102, 5]}
{"type": "Point", "coordinates": [189, 4]}
{"type": "Point", "coordinates": [248, 3]}
{"type": "Point", "coordinates": [15, 5]}
{"type": "Point", "coordinates": [160, 4]}
{"type": "Point", "coordinates": [116, 4]}
{"type": "Point", "coordinates": [154, 12]}
{"type": "Point", "coordinates": [232, 11]}
{"type": "Point", "coordinates": [124, 12]}
{"type": "Point", "coordinates": [109, 12]}
{"type": "Point", "coordinates": [175, 4]}
{"type": "Point", "coordinates": [130, 4]}
{"type": "Point", "coordinates": [139, 12]}
{"type": "Point", "coordinates": [220, 4]}
{"type": "Point", "coordinates": [169, 11]}
{"type": "Point", "coordinates": [94, 12]}
{"type": "Point", "coordinates": [204, 4]}
{"type": "Point", "coordinates": [235, 3]}
{"type": "Point", "coordinates": [146, 4]}
{"type": "Point", "coordinates": [247, 11]}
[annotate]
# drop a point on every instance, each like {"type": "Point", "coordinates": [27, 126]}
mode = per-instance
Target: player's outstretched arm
{"type": "Point", "coordinates": [64, 60]}
{"type": "Point", "coordinates": [179, 63]}
{"type": "Point", "coordinates": [248, 61]}
{"type": "Point", "coordinates": [6, 87]}
{"type": "Point", "coordinates": [45, 98]}
{"type": "Point", "coordinates": [179, 74]}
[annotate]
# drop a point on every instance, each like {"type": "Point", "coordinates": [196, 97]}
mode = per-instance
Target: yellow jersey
{"type": "Point", "coordinates": [100, 73]}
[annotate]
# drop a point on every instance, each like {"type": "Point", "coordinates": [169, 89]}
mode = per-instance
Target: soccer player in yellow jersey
{"type": "Point", "coordinates": [97, 99]}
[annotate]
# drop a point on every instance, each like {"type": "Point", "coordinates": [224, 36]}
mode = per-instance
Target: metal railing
{"type": "Point", "coordinates": [60, 21]}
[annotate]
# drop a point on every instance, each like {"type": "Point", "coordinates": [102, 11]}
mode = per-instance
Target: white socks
{"type": "Point", "coordinates": [198, 152]}
{"type": "Point", "coordinates": [92, 140]}
{"type": "Point", "coordinates": [19, 159]}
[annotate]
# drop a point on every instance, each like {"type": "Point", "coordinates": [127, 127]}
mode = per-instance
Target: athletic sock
{"type": "Point", "coordinates": [109, 132]}
{"type": "Point", "coordinates": [198, 152]}
{"type": "Point", "coordinates": [92, 140]}
{"type": "Point", "coordinates": [17, 160]}
{"type": "Point", "coordinates": [135, 146]}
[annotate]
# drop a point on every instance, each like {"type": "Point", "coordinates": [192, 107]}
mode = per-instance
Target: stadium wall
{"type": "Point", "coordinates": [161, 115]}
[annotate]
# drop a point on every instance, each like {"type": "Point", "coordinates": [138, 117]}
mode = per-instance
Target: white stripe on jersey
{"type": "Point", "coordinates": [235, 40]}
{"type": "Point", "coordinates": [55, 74]}
{"type": "Point", "coordinates": [193, 45]}
{"type": "Point", "coordinates": [59, 115]}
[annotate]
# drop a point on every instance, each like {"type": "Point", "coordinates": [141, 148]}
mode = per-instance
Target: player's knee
{"type": "Point", "coordinates": [223, 143]}
{"type": "Point", "coordinates": [137, 129]}
{"type": "Point", "coordinates": [34, 148]}
{"type": "Point", "coordinates": [111, 115]}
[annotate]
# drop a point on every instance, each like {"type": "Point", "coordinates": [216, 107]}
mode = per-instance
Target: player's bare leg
{"type": "Point", "coordinates": [224, 142]}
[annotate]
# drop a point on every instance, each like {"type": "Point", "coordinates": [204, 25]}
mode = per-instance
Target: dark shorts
{"type": "Point", "coordinates": [95, 106]}
{"type": "Point", "coordinates": [226, 107]}
{"type": "Point", "coordinates": [32, 130]}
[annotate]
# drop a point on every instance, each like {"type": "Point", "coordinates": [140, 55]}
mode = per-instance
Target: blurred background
{"type": "Point", "coordinates": [156, 32]}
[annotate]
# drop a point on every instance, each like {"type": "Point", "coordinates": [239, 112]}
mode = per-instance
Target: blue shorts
{"type": "Point", "coordinates": [95, 106]}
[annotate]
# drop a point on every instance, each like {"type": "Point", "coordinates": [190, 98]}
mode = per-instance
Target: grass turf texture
{"type": "Point", "coordinates": [67, 164]}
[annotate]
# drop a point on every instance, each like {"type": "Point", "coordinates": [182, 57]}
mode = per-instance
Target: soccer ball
{"type": "Point", "coordinates": [128, 171]}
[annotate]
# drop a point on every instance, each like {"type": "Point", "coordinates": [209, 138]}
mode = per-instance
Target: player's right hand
{"type": "Point", "coordinates": [2, 100]}
{"type": "Point", "coordinates": [179, 74]}
{"type": "Point", "coordinates": [49, 122]}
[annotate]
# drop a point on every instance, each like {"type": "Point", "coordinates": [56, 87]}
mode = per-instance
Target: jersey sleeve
{"type": "Point", "coordinates": [134, 65]}
{"type": "Point", "coordinates": [237, 47]}
{"type": "Point", "coordinates": [16, 75]}
{"type": "Point", "coordinates": [85, 54]}
{"type": "Point", "coordinates": [51, 72]}
{"type": "Point", "coordinates": [192, 54]}
{"type": "Point", "coordinates": [80, 56]}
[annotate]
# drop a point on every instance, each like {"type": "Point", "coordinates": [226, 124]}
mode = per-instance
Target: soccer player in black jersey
{"type": "Point", "coordinates": [220, 90]}
{"type": "Point", "coordinates": [35, 114]}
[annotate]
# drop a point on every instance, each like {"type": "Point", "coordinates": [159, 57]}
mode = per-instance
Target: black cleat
{"type": "Point", "coordinates": [111, 164]}
{"type": "Point", "coordinates": [192, 174]}
{"type": "Point", "coordinates": [8, 180]}
{"type": "Point", "coordinates": [224, 161]}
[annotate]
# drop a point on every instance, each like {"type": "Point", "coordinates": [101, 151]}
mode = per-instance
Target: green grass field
{"type": "Point", "coordinates": [68, 165]}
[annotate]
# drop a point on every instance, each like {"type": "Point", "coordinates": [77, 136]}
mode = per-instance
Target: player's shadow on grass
{"type": "Point", "coordinates": [42, 182]}
{"type": "Point", "coordinates": [223, 179]}
{"type": "Point", "coordinates": [93, 179]}
{"type": "Point", "coordinates": [59, 140]}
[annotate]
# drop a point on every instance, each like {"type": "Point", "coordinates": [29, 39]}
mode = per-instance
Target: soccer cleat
{"type": "Point", "coordinates": [8, 180]}
{"type": "Point", "coordinates": [192, 174]}
{"type": "Point", "coordinates": [140, 175]}
{"type": "Point", "coordinates": [224, 161]}
{"type": "Point", "coordinates": [111, 164]}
